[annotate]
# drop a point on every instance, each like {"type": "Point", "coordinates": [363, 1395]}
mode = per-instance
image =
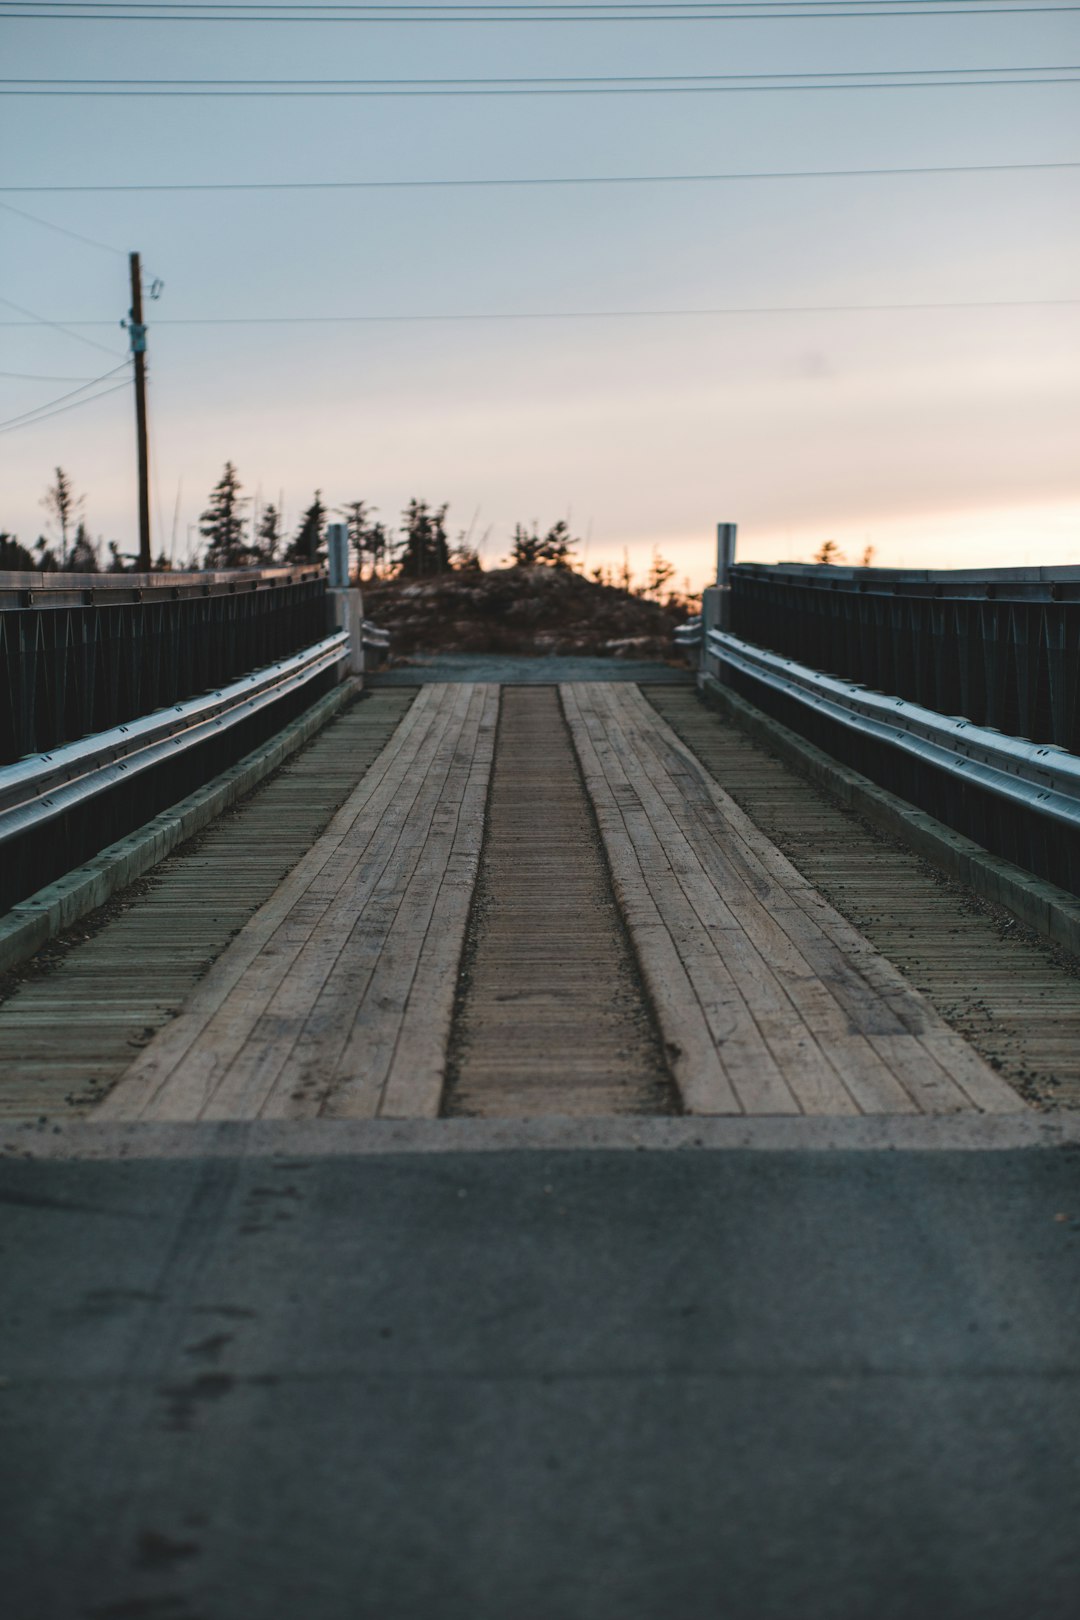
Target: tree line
{"type": "Point", "coordinates": [235, 535]}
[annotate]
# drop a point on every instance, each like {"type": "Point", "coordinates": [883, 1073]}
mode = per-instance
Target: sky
{"type": "Point", "coordinates": [595, 385]}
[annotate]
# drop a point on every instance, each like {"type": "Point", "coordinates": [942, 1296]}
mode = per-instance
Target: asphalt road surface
{"type": "Point", "coordinates": [592, 1385]}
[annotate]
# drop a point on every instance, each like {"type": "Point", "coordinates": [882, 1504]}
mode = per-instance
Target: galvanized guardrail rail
{"type": "Point", "coordinates": [1000, 646]}
{"type": "Point", "coordinates": [81, 653]}
{"type": "Point", "coordinates": [1005, 642]}
{"type": "Point", "coordinates": [134, 690]}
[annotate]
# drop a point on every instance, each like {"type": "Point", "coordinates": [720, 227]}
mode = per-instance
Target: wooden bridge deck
{"type": "Point", "coordinates": [337, 998]}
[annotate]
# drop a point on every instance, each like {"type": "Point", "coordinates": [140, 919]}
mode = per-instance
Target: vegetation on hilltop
{"type": "Point", "coordinates": [528, 608]}
{"type": "Point", "coordinates": [429, 590]}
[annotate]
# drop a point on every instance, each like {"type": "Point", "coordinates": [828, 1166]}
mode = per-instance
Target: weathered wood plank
{"type": "Point", "coordinates": [73, 1020]}
{"type": "Point", "coordinates": [698, 1067]}
{"type": "Point", "coordinates": [312, 995]}
{"type": "Point", "coordinates": [135, 1095]}
{"type": "Point", "coordinates": [842, 1027]}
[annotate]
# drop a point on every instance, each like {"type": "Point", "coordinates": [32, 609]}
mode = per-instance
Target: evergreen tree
{"type": "Point", "coordinates": [660, 574]}
{"type": "Point", "coordinates": [46, 558]}
{"type": "Point", "coordinates": [222, 524]}
{"type": "Point", "coordinates": [557, 545]}
{"type": "Point", "coordinates": [306, 546]}
{"type": "Point", "coordinates": [378, 546]}
{"type": "Point", "coordinates": [423, 549]}
{"type": "Point", "coordinates": [62, 503]}
{"type": "Point", "coordinates": [357, 515]}
{"type": "Point", "coordinates": [555, 548]}
{"type": "Point", "coordinates": [830, 553]}
{"type": "Point", "coordinates": [525, 546]}
{"type": "Point", "coordinates": [13, 556]}
{"type": "Point", "coordinates": [84, 553]}
{"type": "Point", "coordinates": [268, 535]}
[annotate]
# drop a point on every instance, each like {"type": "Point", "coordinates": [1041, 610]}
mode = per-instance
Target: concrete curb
{"type": "Point", "coordinates": [1052, 912]}
{"type": "Point", "coordinates": [328, 1138]}
{"type": "Point", "coordinates": [32, 923]}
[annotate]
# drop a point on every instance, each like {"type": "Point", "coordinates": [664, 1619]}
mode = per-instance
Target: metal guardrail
{"type": "Point", "coordinates": [80, 654]}
{"type": "Point", "coordinates": [1035, 776]}
{"type": "Point", "coordinates": [1057, 584]}
{"type": "Point", "coordinates": [1016, 798]}
{"type": "Point", "coordinates": [49, 589]}
{"type": "Point", "coordinates": [43, 787]}
{"type": "Point", "coordinates": [61, 806]}
{"type": "Point", "coordinates": [1001, 646]}
{"type": "Point", "coordinates": [374, 636]}
{"type": "Point", "coordinates": [689, 634]}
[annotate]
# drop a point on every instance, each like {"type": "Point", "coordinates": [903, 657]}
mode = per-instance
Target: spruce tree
{"type": "Point", "coordinates": [268, 536]}
{"type": "Point", "coordinates": [223, 523]}
{"type": "Point", "coordinates": [84, 553]}
{"type": "Point", "coordinates": [306, 546]}
{"type": "Point", "coordinates": [423, 549]}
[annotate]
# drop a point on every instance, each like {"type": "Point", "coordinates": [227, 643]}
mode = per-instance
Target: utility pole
{"type": "Point", "coordinates": [138, 350]}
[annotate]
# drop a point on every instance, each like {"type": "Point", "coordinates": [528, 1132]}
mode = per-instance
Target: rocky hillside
{"type": "Point", "coordinates": [534, 610]}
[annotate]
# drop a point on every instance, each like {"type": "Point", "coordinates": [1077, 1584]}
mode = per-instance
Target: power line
{"type": "Point", "coordinates": [15, 421]}
{"type": "Point", "coordinates": [57, 326]}
{"type": "Point", "coordinates": [263, 7]}
{"type": "Point", "coordinates": [62, 230]}
{"type": "Point", "coordinates": [732, 310]}
{"type": "Point", "coordinates": [15, 426]}
{"type": "Point", "coordinates": [38, 376]}
{"type": "Point", "coordinates": [554, 180]}
{"type": "Point", "coordinates": [553, 85]}
{"type": "Point", "coordinates": [656, 16]}
{"type": "Point", "coordinates": [744, 9]}
{"type": "Point", "coordinates": [576, 78]}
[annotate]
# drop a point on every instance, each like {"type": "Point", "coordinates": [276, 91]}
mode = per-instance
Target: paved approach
{"type": "Point", "coordinates": [589, 1385]}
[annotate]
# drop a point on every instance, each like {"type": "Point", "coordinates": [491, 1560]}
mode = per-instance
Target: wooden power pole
{"type": "Point", "coordinates": [138, 350]}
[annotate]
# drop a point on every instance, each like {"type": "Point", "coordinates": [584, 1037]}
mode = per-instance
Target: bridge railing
{"type": "Point", "coordinates": [121, 695]}
{"type": "Point", "coordinates": [959, 692]}
{"type": "Point", "coordinates": [1001, 647]}
{"type": "Point", "coordinates": [82, 653]}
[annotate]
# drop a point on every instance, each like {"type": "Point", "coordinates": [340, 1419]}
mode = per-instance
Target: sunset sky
{"type": "Point", "coordinates": [941, 437]}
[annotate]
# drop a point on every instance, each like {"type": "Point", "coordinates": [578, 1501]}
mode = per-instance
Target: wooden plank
{"type": "Point", "coordinates": [878, 1016]}
{"type": "Point", "coordinates": [292, 1039]}
{"type": "Point", "coordinates": [748, 947]}
{"type": "Point", "coordinates": [136, 1094]}
{"type": "Point", "coordinates": [698, 1067]}
{"type": "Point", "coordinates": [876, 1045]}
{"type": "Point", "coordinates": [370, 1023]}
{"type": "Point", "coordinates": [96, 995]}
{"type": "Point", "coordinates": [417, 1073]}
{"type": "Point", "coordinates": [354, 849]}
{"type": "Point", "coordinates": [829, 1065]}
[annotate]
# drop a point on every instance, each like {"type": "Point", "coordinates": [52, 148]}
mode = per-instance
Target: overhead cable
{"type": "Point", "coordinates": [656, 15]}
{"type": "Point", "coordinates": [730, 310]}
{"type": "Point", "coordinates": [579, 84]}
{"type": "Point", "coordinates": [549, 180]}
{"type": "Point", "coordinates": [15, 421]}
{"type": "Point", "coordinates": [62, 230]}
{"type": "Point", "coordinates": [57, 326]}
{"type": "Point", "coordinates": [14, 427]}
